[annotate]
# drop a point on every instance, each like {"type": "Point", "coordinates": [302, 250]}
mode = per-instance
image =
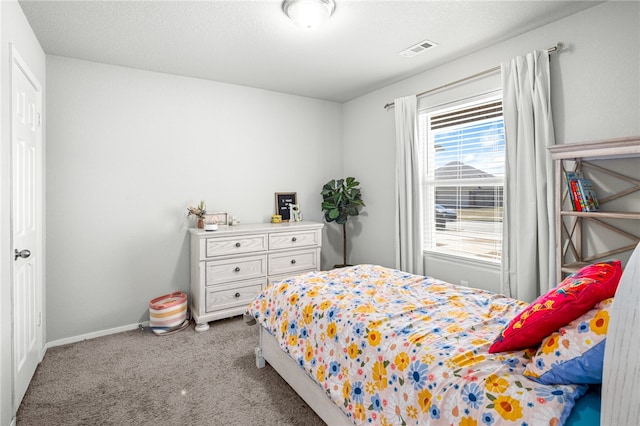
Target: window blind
{"type": "Point", "coordinates": [463, 153]}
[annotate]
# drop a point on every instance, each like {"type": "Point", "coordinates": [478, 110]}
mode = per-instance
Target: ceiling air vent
{"type": "Point", "coordinates": [423, 46]}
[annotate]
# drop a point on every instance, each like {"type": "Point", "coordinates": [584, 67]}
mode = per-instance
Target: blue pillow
{"type": "Point", "coordinates": [574, 354]}
{"type": "Point", "coordinates": [586, 369]}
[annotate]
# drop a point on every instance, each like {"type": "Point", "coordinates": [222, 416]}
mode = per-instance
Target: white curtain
{"type": "Point", "coordinates": [528, 250]}
{"type": "Point", "coordinates": [409, 234]}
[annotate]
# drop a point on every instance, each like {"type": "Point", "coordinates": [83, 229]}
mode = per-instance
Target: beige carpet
{"type": "Point", "coordinates": [186, 378]}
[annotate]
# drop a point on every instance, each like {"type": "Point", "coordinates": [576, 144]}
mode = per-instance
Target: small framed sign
{"type": "Point", "coordinates": [221, 218]}
{"type": "Point", "coordinates": [283, 199]}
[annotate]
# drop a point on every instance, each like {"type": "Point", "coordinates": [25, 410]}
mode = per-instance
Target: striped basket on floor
{"type": "Point", "coordinates": [168, 312]}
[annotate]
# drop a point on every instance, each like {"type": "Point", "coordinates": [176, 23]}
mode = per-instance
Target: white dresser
{"type": "Point", "coordinates": [230, 266]}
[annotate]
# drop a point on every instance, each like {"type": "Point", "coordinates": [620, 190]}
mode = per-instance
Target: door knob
{"type": "Point", "coordinates": [22, 253]}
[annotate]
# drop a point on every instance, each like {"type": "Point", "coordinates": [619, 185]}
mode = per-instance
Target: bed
{"type": "Point", "coordinates": [369, 344]}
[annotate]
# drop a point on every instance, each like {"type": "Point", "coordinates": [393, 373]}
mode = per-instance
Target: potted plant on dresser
{"type": "Point", "coordinates": [341, 199]}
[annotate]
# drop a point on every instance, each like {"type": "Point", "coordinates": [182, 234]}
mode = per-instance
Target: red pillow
{"type": "Point", "coordinates": [577, 294]}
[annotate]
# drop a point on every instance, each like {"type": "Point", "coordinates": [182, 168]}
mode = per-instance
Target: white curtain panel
{"type": "Point", "coordinates": [409, 228]}
{"type": "Point", "coordinates": [528, 257]}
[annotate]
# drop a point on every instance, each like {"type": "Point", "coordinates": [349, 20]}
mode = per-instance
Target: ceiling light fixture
{"type": "Point", "coordinates": [308, 13]}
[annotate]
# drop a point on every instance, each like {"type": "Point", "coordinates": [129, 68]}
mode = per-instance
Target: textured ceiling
{"type": "Point", "coordinates": [252, 43]}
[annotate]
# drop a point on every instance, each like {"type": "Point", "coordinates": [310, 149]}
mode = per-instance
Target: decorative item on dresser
{"type": "Point", "coordinates": [221, 218]}
{"type": "Point", "coordinates": [283, 201]}
{"type": "Point", "coordinates": [231, 266]}
{"type": "Point", "coordinates": [210, 222]}
{"type": "Point", "coordinates": [199, 212]}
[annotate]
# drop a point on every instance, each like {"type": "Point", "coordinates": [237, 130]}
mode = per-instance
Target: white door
{"type": "Point", "coordinates": [26, 209]}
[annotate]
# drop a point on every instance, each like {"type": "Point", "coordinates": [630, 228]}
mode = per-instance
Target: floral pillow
{"type": "Point", "coordinates": [574, 296]}
{"type": "Point", "coordinates": [575, 353]}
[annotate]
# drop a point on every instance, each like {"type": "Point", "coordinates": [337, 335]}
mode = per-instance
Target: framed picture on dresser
{"type": "Point", "coordinates": [283, 199]}
{"type": "Point", "coordinates": [221, 218]}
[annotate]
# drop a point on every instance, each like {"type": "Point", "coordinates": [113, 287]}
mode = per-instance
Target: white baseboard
{"type": "Point", "coordinates": [95, 334]}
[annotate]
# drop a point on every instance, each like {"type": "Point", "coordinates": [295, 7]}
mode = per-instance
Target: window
{"type": "Point", "coordinates": [463, 154]}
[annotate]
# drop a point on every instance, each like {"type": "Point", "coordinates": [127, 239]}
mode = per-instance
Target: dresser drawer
{"type": "Point", "coordinates": [224, 270]}
{"type": "Point", "coordinates": [293, 261]}
{"type": "Point", "coordinates": [235, 245]}
{"type": "Point", "coordinates": [225, 297]}
{"type": "Point", "coordinates": [289, 240]}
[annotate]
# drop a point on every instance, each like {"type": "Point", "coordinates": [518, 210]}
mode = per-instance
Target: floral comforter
{"type": "Point", "coordinates": [394, 348]}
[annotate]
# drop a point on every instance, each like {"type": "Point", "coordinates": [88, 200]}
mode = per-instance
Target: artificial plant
{"type": "Point", "coordinates": [341, 199]}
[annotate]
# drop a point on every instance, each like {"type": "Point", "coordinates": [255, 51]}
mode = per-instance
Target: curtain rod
{"type": "Point", "coordinates": [557, 48]}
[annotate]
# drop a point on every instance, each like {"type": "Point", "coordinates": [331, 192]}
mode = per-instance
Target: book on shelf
{"type": "Point", "coordinates": [581, 193]}
{"type": "Point", "coordinates": [589, 195]}
{"type": "Point", "coordinates": [572, 180]}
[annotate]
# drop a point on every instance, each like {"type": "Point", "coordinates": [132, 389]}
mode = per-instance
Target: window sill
{"type": "Point", "coordinates": [475, 263]}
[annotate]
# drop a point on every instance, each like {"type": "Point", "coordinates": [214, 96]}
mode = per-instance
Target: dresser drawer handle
{"type": "Point", "coordinates": [237, 269]}
{"type": "Point", "coordinates": [238, 244]}
{"type": "Point", "coordinates": [293, 261]}
{"type": "Point", "coordinates": [237, 294]}
{"type": "Point", "coordinates": [294, 239]}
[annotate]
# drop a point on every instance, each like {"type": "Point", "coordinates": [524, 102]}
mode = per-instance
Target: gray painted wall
{"type": "Point", "coordinates": [595, 95]}
{"type": "Point", "coordinates": [129, 150]}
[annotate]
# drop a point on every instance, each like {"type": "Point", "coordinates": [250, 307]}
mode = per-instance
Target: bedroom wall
{"type": "Point", "coordinates": [595, 95]}
{"type": "Point", "coordinates": [14, 29]}
{"type": "Point", "coordinates": [129, 150]}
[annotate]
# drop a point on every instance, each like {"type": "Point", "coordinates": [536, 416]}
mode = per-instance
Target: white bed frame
{"type": "Point", "coordinates": [304, 386]}
{"type": "Point", "coordinates": [621, 376]}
